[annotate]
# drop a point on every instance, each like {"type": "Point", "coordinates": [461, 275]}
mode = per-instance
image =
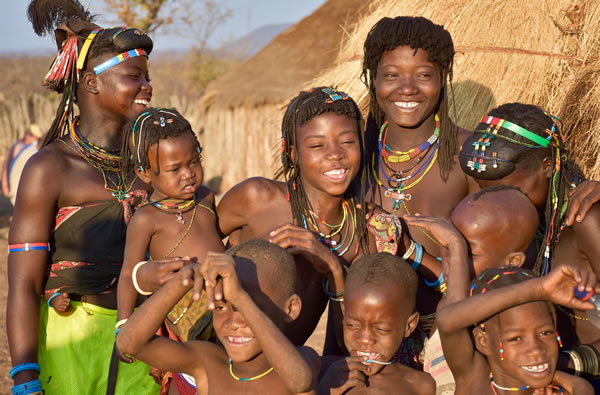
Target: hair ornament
{"type": "Point", "coordinates": [334, 95]}
{"type": "Point", "coordinates": [86, 47]}
{"type": "Point", "coordinates": [502, 123]}
{"type": "Point", "coordinates": [118, 59]}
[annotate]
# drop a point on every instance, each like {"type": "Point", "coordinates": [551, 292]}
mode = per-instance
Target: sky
{"type": "Point", "coordinates": [247, 15]}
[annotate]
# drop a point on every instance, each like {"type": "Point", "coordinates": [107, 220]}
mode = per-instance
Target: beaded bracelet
{"type": "Point", "coordinates": [30, 387]}
{"type": "Point", "coordinates": [418, 257]}
{"type": "Point", "coordinates": [336, 297]}
{"type": "Point", "coordinates": [410, 250]}
{"type": "Point", "coordinates": [28, 247]}
{"type": "Point", "coordinates": [24, 366]}
{"type": "Point", "coordinates": [134, 279]}
{"type": "Point", "coordinates": [54, 295]}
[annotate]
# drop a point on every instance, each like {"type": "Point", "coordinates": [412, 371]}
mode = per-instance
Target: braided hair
{"type": "Point", "coordinates": [418, 33]}
{"type": "Point", "coordinates": [506, 151]}
{"type": "Point", "coordinates": [304, 107]}
{"type": "Point", "coordinates": [147, 129]}
{"type": "Point", "coordinates": [72, 25]}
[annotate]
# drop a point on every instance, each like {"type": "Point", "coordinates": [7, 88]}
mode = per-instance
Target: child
{"type": "Point", "coordinates": [515, 343]}
{"type": "Point", "coordinates": [379, 312]}
{"type": "Point", "coordinates": [179, 218]}
{"type": "Point", "coordinates": [251, 289]}
{"type": "Point", "coordinates": [322, 147]}
{"type": "Point", "coordinates": [499, 225]}
{"type": "Point", "coordinates": [521, 145]}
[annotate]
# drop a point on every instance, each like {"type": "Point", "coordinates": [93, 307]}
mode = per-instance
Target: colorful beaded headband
{"type": "Point", "coordinates": [118, 59]}
{"type": "Point", "coordinates": [334, 95]}
{"type": "Point", "coordinates": [86, 47]}
{"type": "Point", "coordinates": [502, 123]}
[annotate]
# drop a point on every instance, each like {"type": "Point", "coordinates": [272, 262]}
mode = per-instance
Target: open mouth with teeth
{"type": "Point", "coordinates": [142, 102]}
{"type": "Point", "coordinates": [238, 339]}
{"type": "Point", "coordinates": [336, 174]}
{"type": "Point", "coordinates": [406, 105]}
{"type": "Point", "coordinates": [372, 357]}
{"type": "Point", "coordinates": [541, 368]}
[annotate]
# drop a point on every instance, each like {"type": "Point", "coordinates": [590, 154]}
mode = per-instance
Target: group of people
{"type": "Point", "coordinates": [452, 261]}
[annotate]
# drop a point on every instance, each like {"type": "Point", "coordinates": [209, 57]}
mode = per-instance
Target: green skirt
{"type": "Point", "coordinates": [74, 353]}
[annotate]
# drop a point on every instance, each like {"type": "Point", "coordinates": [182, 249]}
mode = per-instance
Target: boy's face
{"type": "Point", "coordinates": [407, 86]}
{"type": "Point", "coordinates": [528, 337]}
{"type": "Point", "coordinates": [328, 153]}
{"type": "Point", "coordinates": [180, 168]}
{"type": "Point", "coordinates": [232, 329]}
{"type": "Point", "coordinates": [375, 322]}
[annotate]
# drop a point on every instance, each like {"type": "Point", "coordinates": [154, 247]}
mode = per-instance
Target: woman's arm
{"type": "Point", "coordinates": [32, 222]}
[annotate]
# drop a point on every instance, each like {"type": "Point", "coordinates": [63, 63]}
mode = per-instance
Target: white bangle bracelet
{"type": "Point", "coordinates": [134, 279]}
{"type": "Point", "coordinates": [410, 250]}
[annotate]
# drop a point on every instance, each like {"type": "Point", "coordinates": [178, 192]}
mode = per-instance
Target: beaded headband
{"type": "Point", "coordinates": [521, 131]}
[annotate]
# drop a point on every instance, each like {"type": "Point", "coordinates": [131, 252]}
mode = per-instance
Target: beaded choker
{"type": "Point", "coordinates": [249, 378]}
{"type": "Point", "coordinates": [513, 389]}
{"type": "Point", "coordinates": [174, 206]}
{"type": "Point", "coordinates": [102, 160]}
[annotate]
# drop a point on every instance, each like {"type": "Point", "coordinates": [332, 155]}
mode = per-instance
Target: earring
{"type": "Point", "coordinates": [558, 339]}
{"type": "Point", "coordinates": [482, 328]}
{"type": "Point", "coordinates": [501, 352]}
{"type": "Point", "coordinates": [142, 169]}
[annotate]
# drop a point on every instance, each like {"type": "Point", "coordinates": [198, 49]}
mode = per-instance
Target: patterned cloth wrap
{"type": "Point", "coordinates": [387, 230]}
{"type": "Point", "coordinates": [435, 364]}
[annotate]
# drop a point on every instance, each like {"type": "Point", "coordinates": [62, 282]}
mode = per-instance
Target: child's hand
{"type": "Point", "coordinates": [558, 286]}
{"type": "Point", "coordinates": [344, 374]}
{"type": "Point", "coordinates": [220, 279]}
{"type": "Point", "coordinates": [300, 241]}
{"type": "Point", "coordinates": [156, 273]}
{"type": "Point", "coordinates": [442, 229]}
{"type": "Point", "coordinates": [61, 303]}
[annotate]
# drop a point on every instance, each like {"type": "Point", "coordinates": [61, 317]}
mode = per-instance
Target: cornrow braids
{"type": "Point", "coordinates": [147, 129]}
{"type": "Point", "coordinates": [304, 107]}
{"type": "Point", "coordinates": [418, 33]}
{"type": "Point", "coordinates": [518, 136]}
{"type": "Point", "coordinates": [78, 39]}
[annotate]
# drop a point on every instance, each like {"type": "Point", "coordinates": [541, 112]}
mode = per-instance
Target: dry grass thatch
{"type": "Point", "coordinates": [544, 52]}
{"type": "Point", "coordinates": [243, 109]}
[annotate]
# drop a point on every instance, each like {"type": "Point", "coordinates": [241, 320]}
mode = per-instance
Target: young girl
{"type": "Point", "coordinates": [515, 343]}
{"type": "Point", "coordinates": [522, 145]}
{"type": "Point", "coordinates": [68, 229]}
{"type": "Point", "coordinates": [322, 148]}
{"type": "Point", "coordinates": [178, 219]}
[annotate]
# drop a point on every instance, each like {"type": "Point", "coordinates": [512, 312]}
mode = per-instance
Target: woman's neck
{"type": "Point", "coordinates": [328, 208]}
{"type": "Point", "coordinates": [104, 132]}
{"type": "Point", "coordinates": [399, 138]}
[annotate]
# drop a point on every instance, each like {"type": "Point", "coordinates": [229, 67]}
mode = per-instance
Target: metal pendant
{"type": "Point", "coordinates": [179, 218]}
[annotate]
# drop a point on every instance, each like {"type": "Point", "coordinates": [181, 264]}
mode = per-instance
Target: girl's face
{"type": "Point", "coordinates": [328, 153]}
{"type": "Point", "coordinates": [125, 89]}
{"type": "Point", "coordinates": [528, 336]}
{"type": "Point", "coordinates": [180, 168]}
{"type": "Point", "coordinates": [407, 86]}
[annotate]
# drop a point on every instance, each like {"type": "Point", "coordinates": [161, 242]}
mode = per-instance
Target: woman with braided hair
{"type": "Point", "coordinates": [522, 145]}
{"type": "Point", "coordinates": [67, 235]}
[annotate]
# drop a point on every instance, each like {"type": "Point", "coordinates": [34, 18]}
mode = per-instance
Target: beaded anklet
{"type": "Point", "coordinates": [249, 378]}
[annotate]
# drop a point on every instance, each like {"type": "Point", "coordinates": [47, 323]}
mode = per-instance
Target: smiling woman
{"type": "Point", "coordinates": [74, 201]}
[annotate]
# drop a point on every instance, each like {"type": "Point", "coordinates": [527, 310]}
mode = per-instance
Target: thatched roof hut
{"type": "Point", "coordinates": [539, 52]}
{"type": "Point", "coordinates": [241, 111]}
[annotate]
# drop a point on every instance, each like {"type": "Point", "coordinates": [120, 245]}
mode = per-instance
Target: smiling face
{"type": "Point", "coordinates": [328, 153]}
{"type": "Point", "coordinates": [230, 326]}
{"type": "Point", "coordinates": [407, 86]}
{"type": "Point", "coordinates": [528, 336]}
{"type": "Point", "coordinates": [124, 89]}
{"type": "Point", "coordinates": [375, 322]}
{"type": "Point", "coordinates": [178, 172]}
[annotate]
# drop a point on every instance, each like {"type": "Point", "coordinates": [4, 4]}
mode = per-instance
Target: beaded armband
{"type": "Point", "coordinates": [28, 247]}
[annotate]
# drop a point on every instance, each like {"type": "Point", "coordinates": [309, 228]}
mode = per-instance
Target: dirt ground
{"type": "Point", "coordinates": [315, 341]}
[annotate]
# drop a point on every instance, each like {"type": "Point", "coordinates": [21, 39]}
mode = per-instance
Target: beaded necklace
{"type": "Point", "coordinates": [405, 156]}
{"type": "Point", "coordinates": [513, 389]}
{"type": "Point", "coordinates": [336, 247]}
{"type": "Point", "coordinates": [249, 378]}
{"type": "Point", "coordinates": [327, 239]}
{"type": "Point", "coordinates": [175, 206]}
{"type": "Point", "coordinates": [103, 161]}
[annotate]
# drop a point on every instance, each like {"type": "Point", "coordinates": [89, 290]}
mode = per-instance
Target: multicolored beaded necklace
{"type": "Point", "coordinates": [175, 206]}
{"type": "Point", "coordinates": [249, 378]}
{"type": "Point", "coordinates": [102, 160]}
{"type": "Point", "coordinates": [404, 156]}
{"type": "Point", "coordinates": [338, 247]}
{"type": "Point", "coordinates": [513, 389]}
{"type": "Point", "coordinates": [396, 188]}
